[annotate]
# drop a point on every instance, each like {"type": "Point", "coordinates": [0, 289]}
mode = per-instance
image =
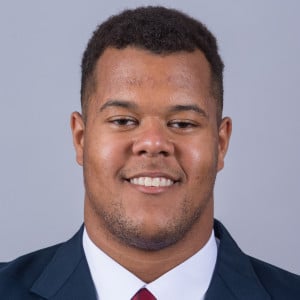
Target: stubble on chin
{"type": "Point", "coordinates": [131, 234]}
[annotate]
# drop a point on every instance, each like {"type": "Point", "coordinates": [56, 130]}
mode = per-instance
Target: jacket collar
{"type": "Point", "coordinates": [234, 276]}
{"type": "Point", "coordinates": [67, 276]}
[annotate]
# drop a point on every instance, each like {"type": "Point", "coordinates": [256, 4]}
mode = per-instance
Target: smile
{"type": "Point", "coordinates": [152, 181]}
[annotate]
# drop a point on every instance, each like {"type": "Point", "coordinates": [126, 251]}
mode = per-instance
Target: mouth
{"type": "Point", "coordinates": [152, 181]}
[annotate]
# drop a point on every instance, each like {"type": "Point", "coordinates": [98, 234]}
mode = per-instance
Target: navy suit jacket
{"type": "Point", "coordinates": [61, 273]}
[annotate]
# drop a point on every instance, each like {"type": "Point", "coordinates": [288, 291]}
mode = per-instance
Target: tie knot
{"type": "Point", "coordinates": [143, 294]}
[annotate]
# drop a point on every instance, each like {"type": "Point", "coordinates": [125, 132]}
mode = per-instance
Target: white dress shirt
{"type": "Point", "coordinates": [189, 280]}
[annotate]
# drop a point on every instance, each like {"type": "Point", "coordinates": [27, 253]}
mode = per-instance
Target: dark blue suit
{"type": "Point", "coordinates": [61, 273]}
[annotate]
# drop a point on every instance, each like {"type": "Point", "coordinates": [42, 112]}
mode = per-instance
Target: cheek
{"type": "Point", "coordinates": [103, 159]}
{"type": "Point", "coordinates": [200, 161]}
{"type": "Point", "coordinates": [105, 154]}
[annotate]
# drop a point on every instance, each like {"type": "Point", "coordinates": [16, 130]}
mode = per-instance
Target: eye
{"type": "Point", "coordinates": [123, 121]}
{"type": "Point", "coordinates": [182, 124]}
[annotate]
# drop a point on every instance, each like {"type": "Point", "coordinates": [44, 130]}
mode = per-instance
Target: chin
{"type": "Point", "coordinates": [152, 238]}
{"type": "Point", "coordinates": [152, 242]}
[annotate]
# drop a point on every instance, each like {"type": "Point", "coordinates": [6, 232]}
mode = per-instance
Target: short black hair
{"type": "Point", "coordinates": [159, 30]}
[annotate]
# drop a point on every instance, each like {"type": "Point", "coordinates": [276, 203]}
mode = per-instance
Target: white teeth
{"type": "Point", "coordinates": [149, 181]}
{"type": "Point", "coordinates": [141, 181]}
{"type": "Point", "coordinates": [155, 181]}
{"type": "Point", "coordinates": [164, 181]}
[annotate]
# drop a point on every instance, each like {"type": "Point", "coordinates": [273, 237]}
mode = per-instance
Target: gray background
{"type": "Point", "coordinates": [257, 194]}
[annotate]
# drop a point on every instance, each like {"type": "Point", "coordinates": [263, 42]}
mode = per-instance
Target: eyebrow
{"type": "Point", "coordinates": [118, 103]}
{"type": "Point", "coordinates": [172, 109]}
{"type": "Point", "coordinates": [188, 107]}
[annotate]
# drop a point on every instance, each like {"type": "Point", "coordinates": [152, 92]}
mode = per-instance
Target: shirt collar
{"type": "Point", "coordinates": [189, 280]}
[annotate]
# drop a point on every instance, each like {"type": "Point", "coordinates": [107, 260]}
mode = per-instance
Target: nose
{"type": "Point", "coordinates": [153, 140]}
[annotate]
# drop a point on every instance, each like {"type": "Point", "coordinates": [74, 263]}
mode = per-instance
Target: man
{"type": "Point", "coordinates": [151, 139]}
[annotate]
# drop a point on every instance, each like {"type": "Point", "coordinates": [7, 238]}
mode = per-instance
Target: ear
{"type": "Point", "coordinates": [77, 127]}
{"type": "Point", "coordinates": [224, 136]}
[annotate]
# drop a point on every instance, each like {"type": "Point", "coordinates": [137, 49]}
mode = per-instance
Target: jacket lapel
{"type": "Point", "coordinates": [234, 277]}
{"type": "Point", "coordinates": [67, 276]}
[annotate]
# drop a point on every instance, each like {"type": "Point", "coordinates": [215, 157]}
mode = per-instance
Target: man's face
{"type": "Point", "coordinates": [150, 146]}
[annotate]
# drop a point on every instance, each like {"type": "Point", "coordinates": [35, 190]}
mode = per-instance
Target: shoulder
{"type": "Point", "coordinates": [43, 272]}
{"type": "Point", "coordinates": [245, 275]}
{"type": "Point", "coordinates": [276, 281]}
{"type": "Point", "coordinates": [17, 276]}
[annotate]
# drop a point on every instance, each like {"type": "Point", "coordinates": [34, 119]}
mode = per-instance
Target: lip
{"type": "Point", "coordinates": [153, 175]}
{"type": "Point", "coordinates": [152, 190]}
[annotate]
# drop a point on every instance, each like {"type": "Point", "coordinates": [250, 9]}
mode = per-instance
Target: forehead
{"type": "Point", "coordinates": [127, 72]}
{"type": "Point", "coordinates": [128, 65]}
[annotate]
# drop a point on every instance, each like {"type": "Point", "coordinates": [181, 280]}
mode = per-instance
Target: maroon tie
{"type": "Point", "coordinates": [143, 294]}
